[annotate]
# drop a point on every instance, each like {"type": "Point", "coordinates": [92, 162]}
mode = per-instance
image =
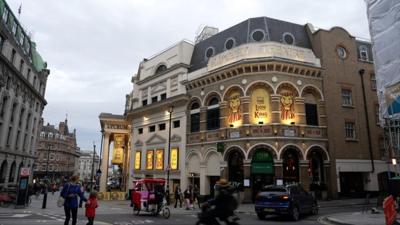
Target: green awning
{"type": "Point", "coordinates": [262, 167]}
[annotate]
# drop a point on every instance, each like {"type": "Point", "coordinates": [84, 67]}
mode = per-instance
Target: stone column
{"type": "Point", "coordinates": [104, 162]}
{"type": "Point", "coordinates": [203, 118]}
{"type": "Point", "coordinates": [245, 109]}
{"type": "Point", "coordinates": [223, 114]}
{"type": "Point", "coordinates": [299, 110]}
{"type": "Point", "coordinates": [204, 183]}
{"type": "Point", "coordinates": [322, 113]}
{"type": "Point", "coordinates": [304, 176]}
{"type": "Point", "coordinates": [275, 109]}
{"type": "Point", "coordinates": [247, 192]}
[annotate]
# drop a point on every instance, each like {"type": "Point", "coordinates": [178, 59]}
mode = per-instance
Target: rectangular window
{"type": "Point", "coordinates": [140, 130]}
{"type": "Point", "coordinates": [163, 96]}
{"type": "Point", "coordinates": [21, 115]}
{"type": "Point", "coordinates": [138, 158]}
{"type": "Point", "coordinates": [21, 38]}
{"type": "Point", "coordinates": [149, 159]}
{"type": "Point", "coordinates": [373, 82]}
{"type": "Point", "coordinates": [161, 126]}
{"type": "Point", "coordinates": [154, 99]}
{"type": "Point", "coordinates": [13, 112]}
{"type": "Point", "coordinates": [5, 15]}
{"type": "Point", "coordinates": [28, 76]}
{"type": "Point", "coordinates": [13, 52]}
{"type": "Point", "coordinates": [152, 128]}
{"type": "Point", "coordinates": [195, 122]}
{"type": "Point", "coordinates": [174, 159]}
{"type": "Point", "coordinates": [377, 113]}
{"type": "Point", "coordinates": [346, 97]}
{"type": "Point", "coordinates": [9, 136]}
{"type": "Point", "coordinates": [14, 27]}
{"type": "Point", "coordinates": [1, 42]}
{"type": "Point", "coordinates": [17, 140]}
{"type": "Point", "coordinates": [350, 130]}
{"type": "Point", "coordinates": [213, 119]}
{"type": "Point", "coordinates": [311, 114]}
{"type": "Point", "coordinates": [159, 159]}
{"type": "Point", "coordinates": [21, 65]}
{"type": "Point", "coordinates": [28, 120]}
{"type": "Point", "coordinates": [177, 123]}
{"type": "Point", "coordinates": [144, 102]}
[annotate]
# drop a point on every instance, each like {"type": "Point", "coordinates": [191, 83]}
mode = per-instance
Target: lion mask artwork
{"type": "Point", "coordinates": [287, 106]}
{"type": "Point", "coordinates": [234, 106]}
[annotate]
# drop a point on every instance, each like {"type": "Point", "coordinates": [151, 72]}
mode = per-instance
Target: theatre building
{"type": "Point", "coordinates": [256, 114]}
{"type": "Point", "coordinates": [262, 102]}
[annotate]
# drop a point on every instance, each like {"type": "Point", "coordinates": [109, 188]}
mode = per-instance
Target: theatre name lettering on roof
{"type": "Point", "coordinates": [263, 50]}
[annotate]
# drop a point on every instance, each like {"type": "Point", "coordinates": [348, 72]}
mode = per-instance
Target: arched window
{"type": "Point", "coordinates": [195, 117]}
{"type": "Point", "coordinates": [363, 52]}
{"type": "Point", "coordinates": [161, 68]}
{"type": "Point", "coordinates": [213, 114]}
{"type": "Point", "coordinates": [3, 171]}
{"type": "Point", "coordinates": [11, 176]}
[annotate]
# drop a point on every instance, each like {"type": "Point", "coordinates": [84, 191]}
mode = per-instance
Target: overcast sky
{"type": "Point", "coordinates": [93, 47]}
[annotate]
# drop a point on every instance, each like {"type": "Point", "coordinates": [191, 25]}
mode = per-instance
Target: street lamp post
{"type": "Point", "coordinates": [98, 173]}
{"type": "Point", "coordinates": [44, 203]}
{"type": "Point", "coordinates": [170, 110]}
{"type": "Point", "coordinates": [92, 173]}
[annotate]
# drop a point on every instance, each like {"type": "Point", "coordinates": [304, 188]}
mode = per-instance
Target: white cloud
{"type": "Point", "coordinates": [93, 47]}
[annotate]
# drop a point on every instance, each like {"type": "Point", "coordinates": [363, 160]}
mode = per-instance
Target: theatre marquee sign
{"type": "Point", "coordinates": [263, 50]}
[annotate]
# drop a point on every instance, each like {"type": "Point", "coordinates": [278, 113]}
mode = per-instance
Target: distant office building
{"type": "Point", "coordinates": [23, 78]}
{"type": "Point", "coordinates": [57, 152]}
{"type": "Point", "coordinates": [86, 163]}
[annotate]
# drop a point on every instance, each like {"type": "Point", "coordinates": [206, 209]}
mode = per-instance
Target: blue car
{"type": "Point", "coordinates": [289, 200]}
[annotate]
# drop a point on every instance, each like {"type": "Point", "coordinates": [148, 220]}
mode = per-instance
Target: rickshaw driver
{"type": "Point", "coordinates": [159, 196]}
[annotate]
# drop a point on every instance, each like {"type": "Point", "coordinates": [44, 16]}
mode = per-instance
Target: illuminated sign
{"type": "Point", "coordinates": [260, 105]}
{"type": "Point", "coordinates": [234, 116]}
{"type": "Point", "coordinates": [159, 159]}
{"type": "Point", "coordinates": [118, 151]}
{"type": "Point", "coordinates": [174, 159]}
{"type": "Point", "coordinates": [149, 159]}
{"type": "Point", "coordinates": [138, 156]}
{"type": "Point", "coordinates": [287, 105]}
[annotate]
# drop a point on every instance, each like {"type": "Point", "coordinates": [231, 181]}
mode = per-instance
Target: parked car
{"type": "Point", "coordinates": [289, 200]}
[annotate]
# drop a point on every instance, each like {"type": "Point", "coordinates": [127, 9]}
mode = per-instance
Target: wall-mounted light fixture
{"type": "Point", "coordinates": [276, 132]}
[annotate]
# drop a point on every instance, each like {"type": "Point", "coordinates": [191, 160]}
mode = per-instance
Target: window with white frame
{"type": "Point", "coordinates": [373, 82]}
{"type": "Point", "coordinates": [350, 130]}
{"type": "Point", "coordinates": [363, 52]}
{"type": "Point", "coordinates": [346, 97]}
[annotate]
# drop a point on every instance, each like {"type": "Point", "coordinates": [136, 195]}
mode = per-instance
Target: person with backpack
{"type": "Point", "coordinates": [91, 206]}
{"type": "Point", "coordinates": [70, 193]}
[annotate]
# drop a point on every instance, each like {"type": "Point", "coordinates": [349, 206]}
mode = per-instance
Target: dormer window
{"type": "Point", "coordinates": [258, 35]}
{"type": "Point", "coordinates": [288, 38]}
{"type": "Point", "coordinates": [209, 52]}
{"type": "Point", "coordinates": [363, 52]}
{"type": "Point", "coordinates": [161, 68]}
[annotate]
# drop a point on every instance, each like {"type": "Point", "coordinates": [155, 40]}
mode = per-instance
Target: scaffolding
{"type": "Point", "coordinates": [392, 143]}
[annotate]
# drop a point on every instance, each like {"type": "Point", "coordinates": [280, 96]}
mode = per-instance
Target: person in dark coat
{"type": "Point", "coordinates": [70, 193]}
{"type": "Point", "coordinates": [178, 196]}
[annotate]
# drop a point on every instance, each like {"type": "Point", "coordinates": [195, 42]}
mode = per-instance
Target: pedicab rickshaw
{"type": "Point", "coordinates": [148, 196]}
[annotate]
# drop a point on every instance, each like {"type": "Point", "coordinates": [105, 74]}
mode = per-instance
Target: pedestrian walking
{"type": "Point", "coordinates": [187, 194]}
{"type": "Point", "coordinates": [70, 193]}
{"type": "Point", "coordinates": [196, 194]}
{"type": "Point", "coordinates": [178, 196]}
{"type": "Point", "coordinates": [91, 206]}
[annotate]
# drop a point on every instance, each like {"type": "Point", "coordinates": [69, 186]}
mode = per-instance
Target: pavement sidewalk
{"type": "Point", "coordinates": [353, 218]}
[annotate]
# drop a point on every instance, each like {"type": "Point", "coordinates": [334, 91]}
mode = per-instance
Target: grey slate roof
{"type": "Point", "coordinates": [241, 32]}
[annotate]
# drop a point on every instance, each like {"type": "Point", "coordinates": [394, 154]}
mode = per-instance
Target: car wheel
{"type": "Point", "coordinates": [261, 216]}
{"type": "Point", "coordinates": [314, 209]}
{"type": "Point", "coordinates": [295, 213]}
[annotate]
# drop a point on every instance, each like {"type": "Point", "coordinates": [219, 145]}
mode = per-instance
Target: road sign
{"type": "Point", "coordinates": [25, 172]}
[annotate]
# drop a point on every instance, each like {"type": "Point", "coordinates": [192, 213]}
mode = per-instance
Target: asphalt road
{"type": "Point", "coordinates": [119, 213]}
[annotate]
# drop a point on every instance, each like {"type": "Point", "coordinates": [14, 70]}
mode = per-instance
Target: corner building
{"type": "Point", "coordinates": [262, 102]}
{"type": "Point", "coordinates": [257, 109]}
{"type": "Point", "coordinates": [23, 79]}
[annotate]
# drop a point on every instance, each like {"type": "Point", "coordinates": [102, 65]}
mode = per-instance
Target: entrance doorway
{"type": "Point", "coordinates": [262, 171]}
{"type": "Point", "coordinates": [213, 181]}
{"type": "Point", "coordinates": [351, 184]}
{"type": "Point", "coordinates": [235, 165]}
{"type": "Point", "coordinates": [290, 166]}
